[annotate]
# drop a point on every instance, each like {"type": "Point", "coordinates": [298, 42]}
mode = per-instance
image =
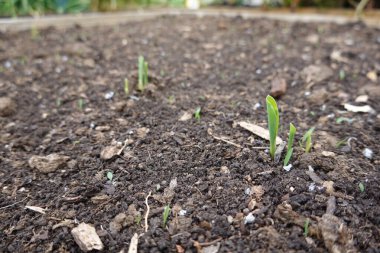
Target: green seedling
{"type": "Point", "coordinates": [306, 227]}
{"type": "Point", "coordinates": [344, 119]}
{"type": "Point", "coordinates": [273, 123]}
{"type": "Point", "coordinates": [171, 99]}
{"type": "Point", "coordinates": [138, 219]}
{"type": "Point", "coordinates": [110, 175]}
{"type": "Point", "coordinates": [306, 139]}
{"type": "Point", "coordinates": [165, 215]}
{"type": "Point", "coordinates": [81, 104]}
{"type": "Point", "coordinates": [143, 73]}
{"type": "Point", "coordinates": [341, 143]}
{"type": "Point", "coordinates": [292, 132]}
{"type": "Point", "coordinates": [197, 113]}
{"type": "Point", "coordinates": [126, 86]}
{"type": "Point", "coordinates": [361, 187]}
{"type": "Point", "coordinates": [342, 75]}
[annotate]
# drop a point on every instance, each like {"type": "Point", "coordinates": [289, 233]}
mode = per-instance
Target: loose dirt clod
{"type": "Point", "coordinates": [278, 87]}
{"type": "Point", "coordinates": [7, 107]}
{"type": "Point", "coordinates": [49, 163]}
{"type": "Point", "coordinates": [86, 237]}
{"type": "Point", "coordinates": [109, 152]}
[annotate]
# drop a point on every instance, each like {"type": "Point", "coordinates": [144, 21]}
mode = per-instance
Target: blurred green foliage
{"type": "Point", "coordinates": [39, 7]}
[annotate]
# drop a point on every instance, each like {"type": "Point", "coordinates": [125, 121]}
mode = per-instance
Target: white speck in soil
{"type": "Point", "coordinates": [307, 93]}
{"type": "Point", "coordinates": [182, 212]}
{"type": "Point", "coordinates": [368, 153]}
{"type": "Point", "coordinates": [249, 219]}
{"type": "Point", "coordinates": [258, 71]}
{"type": "Point", "coordinates": [288, 167]}
{"type": "Point", "coordinates": [8, 64]}
{"type": "Point", "coordinates": [291, 188]}
{"type": "Point", "coordinates": [256, 106]}
{"type": "Point", "coordinates": [247, 191]}
{"type": "Point", "coordinates": [109, 95]}
{"type": "Point", "coordinates": [312, 187]}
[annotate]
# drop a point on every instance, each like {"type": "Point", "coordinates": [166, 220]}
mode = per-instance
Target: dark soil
{"type": "Point", "coordinates": [225, 66]}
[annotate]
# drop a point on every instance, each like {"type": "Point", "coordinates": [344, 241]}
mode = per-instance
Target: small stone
{"type": "Point", "coordinates": [47, 164]}
{"type": "Point", "coordinates": [278, 87]}
{"type": "Point", "coordinates": [251, 205]}
{"type": "Point", "coordinates": [249, 219]}
{"type": "Point", "coordinates": [224, 170]}
{"type": "Point", "coordinates": [7, 107]}
{"type": "Point", "coordinates": [318, 96]}
{"type": "Point", "coordinates": [109, 95]}
{"type": "Point", "coordinates": [361, 99]}
{"type": "Point", "coordinates": [86, 237]}
{"type": "Point", "coordinates": [316, 73]}
{"type": "Point", "coordinates": [368, 153]}
{"type": "Point", "coordinates": [372, 75]}
{"type": "Point", "coordinates": [230, 219]}
{"type": "Point", "coordinates": [288, 167]}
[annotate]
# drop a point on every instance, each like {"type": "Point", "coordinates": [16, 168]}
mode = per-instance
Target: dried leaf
{"type": "Point", "coordinates": [258, 130]}
{"type": "Point", "coordinates": [36, 209]}
{"type": "Point", "coordinates": [354, 108]}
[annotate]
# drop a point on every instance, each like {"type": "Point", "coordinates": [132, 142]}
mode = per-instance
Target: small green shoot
{"type": "Point", "coordinates": [292, 132]}
{"type": "Point", "coordinates": [361, 187]}
{"type": "Point", "coordinates": [34, 33]}
{"type": "Point", "coordinates": [342, 75]}
{"type": "Point", "coordinates": [126, 86]}
{"type": "Point", "coordinates": [171, 99]}
{"type": "Point", "coordinates": [273, 123]}
{"type": "Point", "coordinates": [306, 139]}
{"type": "Point", "coordinates": [344, 119]}
{"type": "Point", "coordinates": [341, 143]}
{"type": "Point", "coordinates": [165, 215]}
{"type": "Point", "coordinates": [110, 175]}
{"type": "Point", "coordinates": [143, 73]}
{"type": "Point", "coordinates": [306, 227]}
{"type": "Point", "coordinates": [197, 113]}
{"type": "Point", "coordinates": [138, 219]}
{"type": "Point", "coordinates": [81, 104]}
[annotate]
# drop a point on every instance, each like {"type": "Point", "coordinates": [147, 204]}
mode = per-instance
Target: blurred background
{"type": "Point", "coordinates": [14, 8]}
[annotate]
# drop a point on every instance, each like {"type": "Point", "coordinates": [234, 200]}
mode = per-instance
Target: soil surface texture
{"type": "Point", "coordinates": [75, 148]}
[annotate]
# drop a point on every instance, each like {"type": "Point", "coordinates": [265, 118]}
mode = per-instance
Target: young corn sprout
{"type": "Point", "coordinates": [306, 139]}
{"type": "Point", "coordinates": [306, 227]}
{"type": "Point", "coordinates": [143, 73]}
{"type": "Point", "coordinates": [165, 215]}
{"type": "Point", "coordinates": [273, 123]}
{"type": "Point", "coordinates": [292, 132]}
{"type": "Point", "coordinates": [197, 113]}
{"type": "Point", "coordinates": [126, 86]}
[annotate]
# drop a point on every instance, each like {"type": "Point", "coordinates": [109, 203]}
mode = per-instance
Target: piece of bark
{"type": "Point", "coordinates": [278, 87]}
{"type": "Point", "coordinates": [86, 237]}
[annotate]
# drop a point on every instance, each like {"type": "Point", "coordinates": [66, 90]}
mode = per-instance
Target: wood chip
{"type": "Point", "coordinates": [258, 130]}
{"type": "Point", "coordinates": [363, 108]}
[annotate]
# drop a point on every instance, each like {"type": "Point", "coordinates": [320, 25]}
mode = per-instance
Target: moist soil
{"type": "Point", "coordinates": [65, 91]}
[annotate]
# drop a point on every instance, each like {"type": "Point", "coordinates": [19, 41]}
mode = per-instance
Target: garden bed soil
{"type": "Point", "coordinates": [63, 93]}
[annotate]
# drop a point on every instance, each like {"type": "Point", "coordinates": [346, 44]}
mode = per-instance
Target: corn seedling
{"type": "Point", "coordinates": [361, 187]}
{"type": "Point", "coordinates": [292, 132]}
{"type": "Point", "coordinates": [110, 175]}
{"type": "Point", "coordinates": [273, 123]}
{"type": "Point", "coordinates": [342, 75]}
{"type": "Point", "coordinates": [171, 99]}
{"type": "Point", "coordinates": [126, 86]}
{"type": "Point", "coordinates": [197, 113]}
{"type": "Point", "coordinates": [138, 219]}
{"type": "Point", "coordinates": [306, 139]}
{"type": "Point", "coordinates": [306, 227]}
{"type": "Point", "coordinates": [143, 73]}
{"type": "Point", "coordinates": [165, 215]}
{"type": "Point", "coordinates": [81, 104]}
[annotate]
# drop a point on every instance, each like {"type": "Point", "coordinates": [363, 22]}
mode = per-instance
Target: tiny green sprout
{"type": "Point", "coordinates": [165, 215]}
{"type": "Point", "coordinates": [341, 143]}
{"type": "Point", "coordinates": [143, 73]}
{"type": "Point", "coordinates": [126, 86]}
{"type": "Point", "coordinates": [273, 123]}
{"type": "Point", "coordinates": [342, 75]}
{"type": "Point", "coordinates": [138, 219]}
{"type": "Point", "coordinates": [306, 227]}
{"type": "Point", "coordinates": [344, 119]}
{"type": "Point", "coordinates": [361, 187]}
{"type": "Point", "coordinates": [292, 132]}
{"type": "Point", "coordinates": [58, 102]}
{"type": "Point", "coordinates": [162, 72]}
{"type": "Point", "coordinates": [81, 104]}
{"type": "Point", "coordinates": [110, 175]}
{"type": "Point", "coordinates": [34, 33]}
{"type": "Point", "coordinates": [197, 113]}
{"type": "Point", "coordinates": [307, 139]}
{"type": "Point", "coordinates": [171, 99]}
